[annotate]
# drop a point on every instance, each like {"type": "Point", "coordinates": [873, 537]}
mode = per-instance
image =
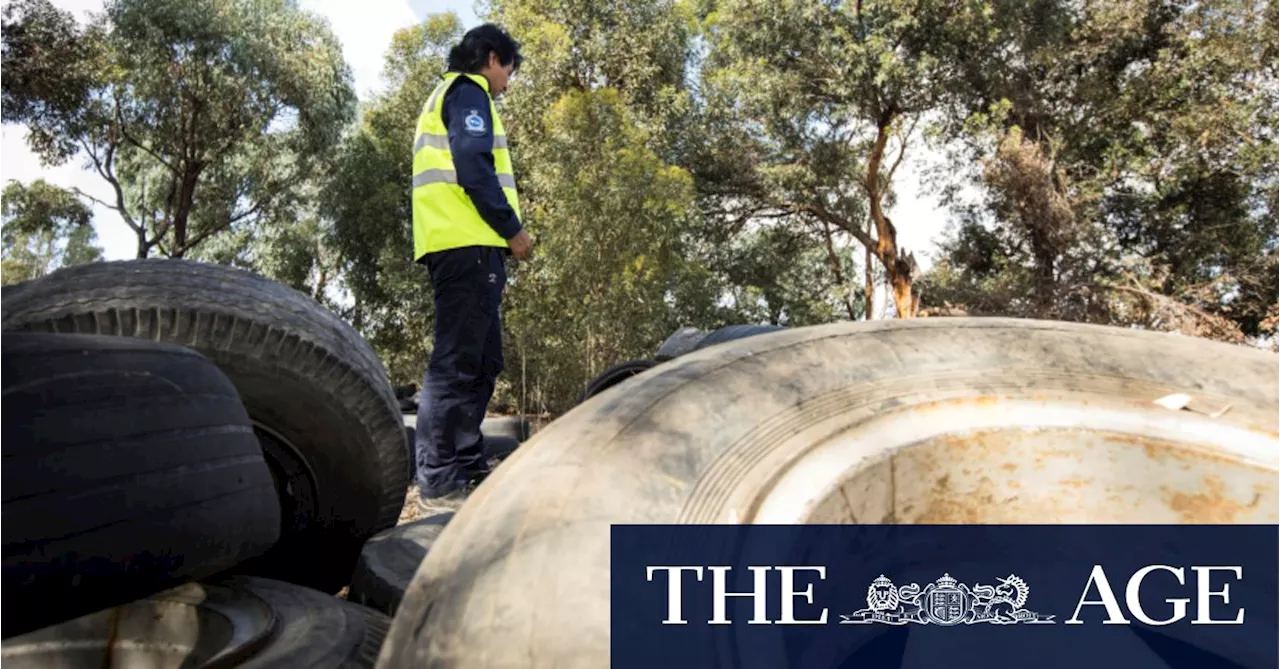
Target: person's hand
{"type": "Point", "coordinates": [521, 245]}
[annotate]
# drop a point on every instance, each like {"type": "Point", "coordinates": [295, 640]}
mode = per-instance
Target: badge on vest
{"type": "Point", "coordinates": [474, 123]}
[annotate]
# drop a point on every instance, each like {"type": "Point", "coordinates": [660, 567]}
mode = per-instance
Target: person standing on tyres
{"type": "Point", "coordinates": [466, 220]}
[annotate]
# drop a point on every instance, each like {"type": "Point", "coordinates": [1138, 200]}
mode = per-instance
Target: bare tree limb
{"type": "Point", "coordinates": [205, 234]}
{"type": "Point", "coordinates": [826, 217]}
{"type": "Point", "coordinates": [902, 148]}
{"type": "Point", "coordinates": [134, 141]}
{"type": "Point", "coordinates": [106, 173]}
{"type": "Point", "coordinates": [835, 269]}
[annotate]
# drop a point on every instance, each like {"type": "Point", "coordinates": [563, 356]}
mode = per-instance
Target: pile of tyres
{"type": "Point", "coordinates": [204, 467]}
{"type": "Point", "coordinates": [390, 559]}
{"type": "Point", "coordinates": [194, 459]}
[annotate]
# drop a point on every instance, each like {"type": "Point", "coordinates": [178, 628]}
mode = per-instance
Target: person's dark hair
{"type": "Point", "coordinates": [472, 53]}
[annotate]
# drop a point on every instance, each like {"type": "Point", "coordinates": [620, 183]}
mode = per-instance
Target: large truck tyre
{"type": "Point", "coordinates": [515, 427]}
{"type": "Point", "coordinates": [734, 333]}
{"type": "Point", "coordinates": [320, 400]}
{"type": "Point", "coordinates": [687, 340]}
{"type": "Point", "coordinates": [130, 467]}
{"type": "Point", "coordinates": [389, 560]}
{"type": "Point", "coordinates": [243, 622]}
{"type": "Point", "coordinates": [923, 421]}
{"type": "Point", "coordinates": [616, 375]}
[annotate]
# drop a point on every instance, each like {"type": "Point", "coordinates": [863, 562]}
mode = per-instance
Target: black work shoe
{"type": "Point", "coordinates": [476, 476]}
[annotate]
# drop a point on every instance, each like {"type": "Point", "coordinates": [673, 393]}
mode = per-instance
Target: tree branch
{"type": "Point", "coordinates": [77, 191]}
{"type": "Point", "coordinates": [205, 234]}
{"type": "Point", "coordinates": [106, 173]}
{"type": "Point", "coordinates": [132, 140]}
{"type": "Point", "coordinates": [835, 269]}
{"type": "Point", "coordinates": [829, 218]}
{"type": "Point", "coordinates": [902, 149]}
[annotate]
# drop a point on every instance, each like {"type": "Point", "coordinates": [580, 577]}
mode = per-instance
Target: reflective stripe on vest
{"type": "Point", "coordinates": [444, 217]}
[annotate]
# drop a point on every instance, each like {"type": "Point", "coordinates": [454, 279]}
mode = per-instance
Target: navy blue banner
{"type": "Point", "coordinates": [953, 597]}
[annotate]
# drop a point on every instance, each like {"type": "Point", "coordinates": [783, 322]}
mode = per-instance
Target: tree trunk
{"type": "Point", "coordinates": [186, 199]}
{"type": "Point", "coordinates": [322, 283]}
{"type": "Point", "coordinates": [897, 268]}
{"type": "Point", "coordinates": [835, 269]}
{"type": "Point", "coordinates": [869, 283]}
{"type": "Point", "coordinates": [906, 303]}
{"type": "Point", "coordinates": [1046, 286]}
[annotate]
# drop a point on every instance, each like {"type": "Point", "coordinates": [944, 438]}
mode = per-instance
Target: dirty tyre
{"type": "Point", "coordinates": [734, 333]}
{"type": "Point", "coordinates": [495, 447]}
{"type": "Point", "coordinates": [679, 343]}
{"type": "Point", "coordinates": [688, 340]}
{"type": "Point", "coordinates": [499, 447]}
{"type": "Point", "coordinates": [130, 466]}
{"type": "Point", "coordinates": [616, 375]}
{"type": "Point", "coordinates": [515, 427]}
{"type": "Point", "coordinates": [245, 622]}
{"type": "Point", "coordinates": [747, 433]}
{"type": "Point", "coordinates": [389, 560]}
{"type": "Point", "coordinates": [319, 398]}
{"type": "Point", "coordinates": [5, 291]}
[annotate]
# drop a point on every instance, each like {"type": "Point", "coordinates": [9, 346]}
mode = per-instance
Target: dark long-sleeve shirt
{"type": "Point", "coordinates": [466, 115]}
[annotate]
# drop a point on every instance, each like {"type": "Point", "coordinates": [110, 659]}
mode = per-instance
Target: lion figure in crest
{"type": "Point", "coordinates": [882, 596]}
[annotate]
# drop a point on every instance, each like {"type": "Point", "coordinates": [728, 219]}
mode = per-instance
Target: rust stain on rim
{"type": "Point", "coordinates": [1210, 506]}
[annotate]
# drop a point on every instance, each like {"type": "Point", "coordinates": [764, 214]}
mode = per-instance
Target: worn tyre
{"type": "Point", "coordinates": [7, 291]}
{"type": "Point", "coordinates": [499, 447]}
{"type": "Point", "coordinates": [515, 427]}
{"type": "Point", "coordinates": [688, 340]}
{"type": "Point", "coordinates": [923, 421]}
{"type": "Point", "coordinates": [734, 333]}
{"type": "Point", "coordinates": [496, 447]}
{"type": "Point", "coordinates": [245, 622]}
{"type": "Point", "coordinates": [616, 375]}
{"type": "Point", "coordinates": [319, 398]}
{"type": "Point", "coordinates": [679, 343]}
{"type": "Point", "coordinates": [388, 561]}
{"type": "Point", "coordinates": [130, 466]}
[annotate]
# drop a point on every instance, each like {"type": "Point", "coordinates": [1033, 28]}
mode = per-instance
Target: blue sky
{"type": "Point", "coordinates": [365, 28]}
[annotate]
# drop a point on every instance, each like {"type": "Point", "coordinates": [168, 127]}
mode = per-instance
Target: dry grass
{"type": "Point", "coordinates": [412, 511]}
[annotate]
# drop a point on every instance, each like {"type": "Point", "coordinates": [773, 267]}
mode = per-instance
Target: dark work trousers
{"type": "Point", "coordinates": [465, 361]}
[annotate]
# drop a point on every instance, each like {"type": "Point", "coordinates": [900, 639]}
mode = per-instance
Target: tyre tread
{"type": "Point", "coordinates": [213, 295]}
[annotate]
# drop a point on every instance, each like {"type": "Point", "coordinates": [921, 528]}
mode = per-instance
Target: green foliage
{"type": "Point", "coordinates": [816, 103]}
{"type": "Point", "coordinates": [613, 275]}
{"type": "Point", "coordinates": [619, 263]}
{"type": "Point", "coordinates": [686, 162]}
{"type": "Point", "coordinates": [50, 70]}
{"type": "Point", "coordinates": [776, 275]}
{"type": "Point", "coordinates": [45, 228]}
{"type": "Point", "coordinates": [204, 117]}
{"type": "Point", "coordinates": [368, 201]}
{"type": "Point", "coordinates": [1128, 168]}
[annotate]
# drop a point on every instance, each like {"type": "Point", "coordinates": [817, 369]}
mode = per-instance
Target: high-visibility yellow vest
{"type": "Point", "coordinates": [444, 217]}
